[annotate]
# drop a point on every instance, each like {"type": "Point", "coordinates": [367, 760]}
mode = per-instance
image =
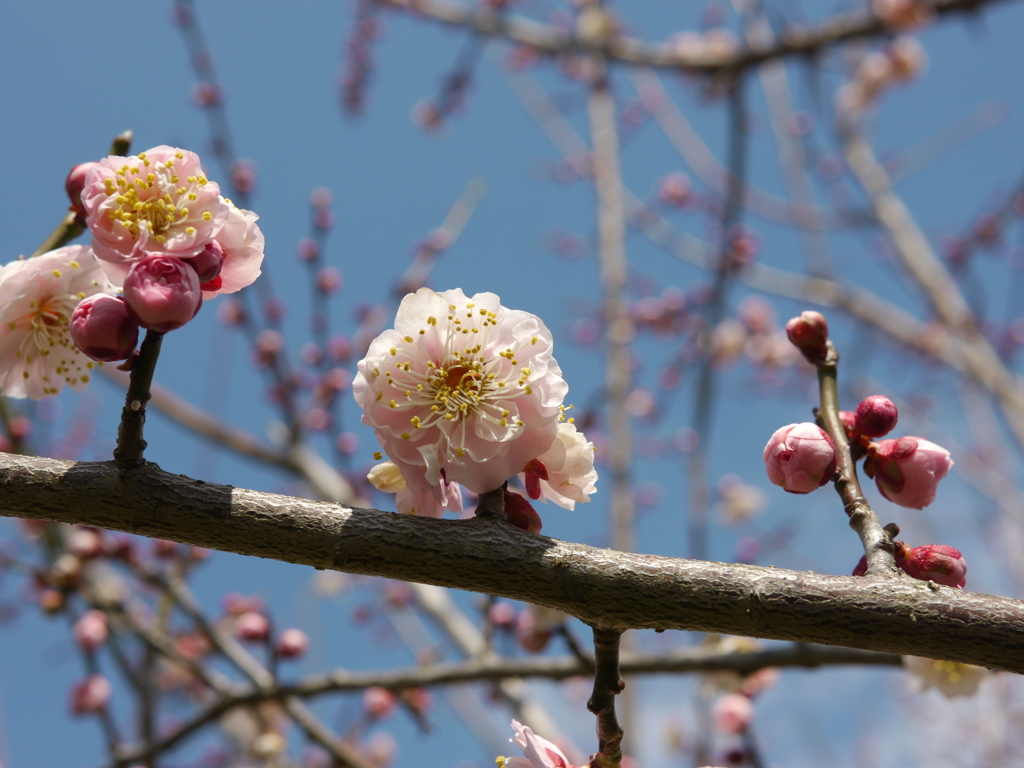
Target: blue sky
{"type": "Point", "coordinates": [76, 74]}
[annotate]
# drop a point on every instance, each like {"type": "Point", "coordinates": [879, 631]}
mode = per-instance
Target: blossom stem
{"type": "Point", "coordinates": [130, 445]}
{"type": "Point", "coordinates": [607, 685]}
{"type": "Point", "coordinates": [878, 548]}
{"type": "Point", "coordinates": [492, 504]}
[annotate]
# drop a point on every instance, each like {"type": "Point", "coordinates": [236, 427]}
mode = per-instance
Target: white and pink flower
{"type": "Point", "coordinates": [160, 202]}
{"type": "Point", "coordinates": [387, 477]}
{"type": "Point", "coordinates": [37, 297]}
{"type": "Point", "coordinates": [565, 472]}
{"type": "Point", "coordinates": [950, 678]}
{"type": "Point", "coordinates": [540, 753]}
{"type": "Point", "coordinates": [462, 391]}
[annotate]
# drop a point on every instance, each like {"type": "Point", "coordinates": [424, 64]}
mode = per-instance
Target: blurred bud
{"type": "Point", "coordinates": [292, 643]}
{"type": "Point", "coordinates": [328, 280]}
{"type": "Point", "coordinates": [675, 189]}
{"type": "Point", "coordinates": [90, 631]}
{"type": "Point", "coordinates": [380, 749]}
{"type": "Point", "coordinates": [902, 14]}
{"type": "Point", "coordinates": [268, 745]}
{"type": "Point", "coordinates": [757, 315]}
{"type": "Point", "coordinates": [103, 329]}
{"type": "Point", "coordinates": [243, 175]}
{"type": "Point", "coordinates": [379, 703]}
{"type": "Point", "coordinates": [66, 571]}
{"type": "Point", "coordinates": [84, 542]}
{"type": "Point", "coordinates": [268, 346]}
{"type": "Point", "coordinates": [502, 614]}
{"type": "Point", "coordinates": [253, 627]}
{"type": "Point", "coordinates": [207, 94]}
{"type": "Point", "coordinates": [809, 334]}
{"type": "Point", "coordinates": [907, 58]}
{"type": "Point", "coordinates": [90, 695]}
{"type": "Point", "coordinates": [732, 713]}
{"type": "Point", "coordinates": [165, 550]}
{"type": "Point", "coordinates": [875, 416]}
{"type": "Point", "coordinates": [340, 348]}
{"type": "Point", "coordinates": [800, 458]}
{"type": "Point", "coordinates": [231, 312]}
{"type": "Point", "coordinates": [51, 600]}
{"type": "Point", "coordinates": [74, 184]}
{"type": "Point", "coordinates": [308, 249]}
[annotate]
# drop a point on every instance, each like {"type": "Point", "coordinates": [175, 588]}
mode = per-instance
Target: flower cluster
{"type": "Point", "coordinates": [162, 234]}
{"type": "Point", "coordinates": [465, 393]}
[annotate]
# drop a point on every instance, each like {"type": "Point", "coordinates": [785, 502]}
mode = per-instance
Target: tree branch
{"type": "Point", "coordinates": [606, 589]}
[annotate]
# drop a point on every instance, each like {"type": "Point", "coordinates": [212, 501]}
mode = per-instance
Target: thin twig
{"type": "Point", "coordinates": [607, 685]}
{"type": "Point", "coordinates": [130, 443]}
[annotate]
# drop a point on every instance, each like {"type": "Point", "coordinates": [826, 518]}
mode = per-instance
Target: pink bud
{"type": "Point", "coordinates": [809, 334]}
{"type": "Point", "coordinates": [103, 329]}
{"type": "Point", "coordinates": [207, 262]}
{"type": "Point", "coordinates": [252, 626]}
{"type": "Point", "coordinates": [800, 458]}
{"type": "Point", "coordinates": [165, 550]}
{"type": "Point", "coordinates": [90, 631]}
{"type": "Point", "coordinates": [90, 695]}
{"type": "Point", "coordinates": [675, 189]}
{"type": "Point", "coordinates": [292, 643]}
{"type": "Point", "coordinates": [849, 421]}
{"type": "Point", "coordinates": [378, 702]}
{"type": "Point", "coordinates": [907, 471]}
{"type": "Point", "coordinates": [938, 563]}
{"type": "Point", "coordinates": [328, 280]}
{"type": "Point", "coordinates": [75, 183]}
{"type": "Point", "coordinates": [502, 614]}
{"type": "Point", "coordinates": [732, 713]}
{"type": "Point", "coordinates": [875, 416]}
{"type": "Point", "coordinates": [162, 293]}
{"type": "Point", "coordinates": [84, 542]}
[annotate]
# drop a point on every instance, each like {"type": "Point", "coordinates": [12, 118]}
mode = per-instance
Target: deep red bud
{"type": "Point", "coordinates": [809, 334]}
{"type": "Point", "coordinates": [938, 563]}
{"type": "Point", "coordinates": [74, 184]}
{"type": "Point", "coordinates": [208, 262]}
{"type": "Point", "coordinates": [521, 513]}
{"type": "Point", "coordinates": [848, 420]}
{"type": "Point", "coordinates": [875, 416]}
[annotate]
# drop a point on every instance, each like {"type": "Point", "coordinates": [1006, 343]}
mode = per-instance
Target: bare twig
{"type": "Point", "coordinates": [607, 685]}
{"type": "Point", "coordinates": [130, 444]}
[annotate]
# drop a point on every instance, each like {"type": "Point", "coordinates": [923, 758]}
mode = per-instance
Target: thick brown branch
{"type": "Point", "coordinates": [604, 588]}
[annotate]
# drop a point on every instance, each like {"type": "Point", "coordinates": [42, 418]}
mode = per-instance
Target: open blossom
{"type": "Point", "coordinates": [907, 471]}
{"type": "Point", "coordinates": [37, 297]}
{"type": "Point", "coordinates": [565, 472]}
{"type": "Point", "coordinates": [800, 458]}
{"type": "Point", "coordinates": [462, 391]}
{"type": "Point", "coordinates": [540, 753]}
{"type": "Point", "coordinates": [951, 678]}
{"type": "Point", "coordinates": [161, 202]}
{"type": "Point", "coordinates": [387, 477]}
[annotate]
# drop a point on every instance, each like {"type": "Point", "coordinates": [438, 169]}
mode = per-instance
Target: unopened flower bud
{"type": "Point", "coordinates": [292, 643]}
{"type": "Point", "coordinates": [378, 702]}
{"type": "Point", "coordinates": [84, 542]}
{"type": "Point", "coordinates": [91, 631]}
{"type": "Point", "coordinates": [809, 334]}
{"type": "Point", "coordinates": [907, 471]}
{"type": "Point", "coordinates": [74, 184]}
{"type": "Point", "coordinates": [938, 563]}
{"type": "Point", "coordinates": [162, 293]}
{"type": "Point", "coordinates": [521, 513]}
{"type": "Point", "coordinates": [848, 420]}
{"type": "Point", "coordinates": [207, 262]}
{"type": "Point", "coordinates": [732, 713]}
{"type": "Point", "coordinates": [90, 695]}
{"type": "Point", "coordinates": [252, 626]}
{"type": "Point", "coordinates": [800, 458]}
{"type": "Point", "coordinates": [103, 329]}
{"type": "Point", "coordinates": [875, 416]}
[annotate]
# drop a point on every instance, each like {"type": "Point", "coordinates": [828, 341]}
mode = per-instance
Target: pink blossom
{"type": "Point", "coordinates": [938, 563]}
{"type": "Point", "coordinates": [540, 753]}
{"type": "Point", "coordinates": [159, 201]}
{"type": "Point", "coordinates": [907, 471]}
{"type": "Point", "coordinates": [103, 329]}
{"type": "Point", "coordinates": [91, 630]}
{"type": "Point", "coordinates": [387, 477]}
{"type": "Point", "coordinates": [292, 643]}
{"type": "Point", "coordinates": [732, 713]}
{"type": "Point", "coordinates": [565, 472]}
{"type": "Point", "coordinates": [90, 695]}
{"type": "Point", "coordinates": [37, 298]}
{"type": "Point", "coordinates": [800, 458]}
{"type": "Point", "coordinates": [162, 293]}
{"type": "Point", "coordinates": [463, 391]}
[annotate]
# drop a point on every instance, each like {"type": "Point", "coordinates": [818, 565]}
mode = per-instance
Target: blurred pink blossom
{"type": "Point", "coordinates": [292, 643]}
{"type": "Point", "coordinates": [90, 695]}
{"type": "Point", "coordinates": [90, 631]}
{"type": "Point", "coordinates": [732, 713]}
